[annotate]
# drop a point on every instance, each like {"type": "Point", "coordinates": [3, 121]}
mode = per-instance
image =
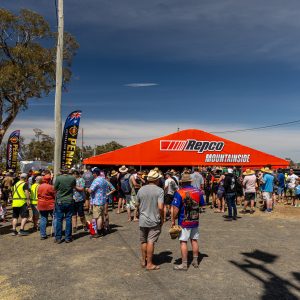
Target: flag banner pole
{"type": "Point", "coordinates": [69, 138]}
{"type": "Point", "coordinates": [12, 150]}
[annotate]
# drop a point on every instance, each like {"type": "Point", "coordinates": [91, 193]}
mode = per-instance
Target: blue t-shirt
{"type": "Point", "coordinates": [188, 200]}
{"type": "Point", "coordinates": [297, 190]}
{"type": "Point", "coordinates": [281, 179]}
{"type": "Point", "coordinates": [268, 183]}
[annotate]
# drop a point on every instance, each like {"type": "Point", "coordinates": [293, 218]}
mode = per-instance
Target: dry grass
{"type": "Point", "coordinates": [10, 292]}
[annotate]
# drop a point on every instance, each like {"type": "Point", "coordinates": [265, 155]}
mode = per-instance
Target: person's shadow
{"type": "Point", "coordinates": [162, 258]}
{"type": "Point", "coordinates": [275, 286]}
{"type": "Point", "coordinates": [178, 261]}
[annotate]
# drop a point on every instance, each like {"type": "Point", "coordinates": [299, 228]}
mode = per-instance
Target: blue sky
{"type": "Point", "coordinates": [145, 68]}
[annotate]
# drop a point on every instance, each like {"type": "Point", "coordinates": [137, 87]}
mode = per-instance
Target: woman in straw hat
{"type": "Point", "coordinates": [249, 184]}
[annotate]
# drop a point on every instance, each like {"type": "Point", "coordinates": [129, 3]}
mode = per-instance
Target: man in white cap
{"type": "Point", "coordinates": [151, 204]}
{"type": "Point", "coordinates": [20, 204]}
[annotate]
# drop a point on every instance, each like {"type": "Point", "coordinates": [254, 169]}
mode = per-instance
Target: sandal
{"type": "Point", "coordinates": [153, 268]}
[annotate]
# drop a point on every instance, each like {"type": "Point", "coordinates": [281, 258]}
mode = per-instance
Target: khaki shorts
{"type": "Point", "coordinates": [267, 196]}
{"type": "Point", "coordinates": [290, 192]}
{"type": "Point", "coordinates": [149, 234]}
{"type": "Point", "coordinates": [98, 211]}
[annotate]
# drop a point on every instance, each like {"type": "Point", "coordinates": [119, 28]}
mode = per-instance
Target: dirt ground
{"type": "Point", "coordinates": [254, 257]}
{"type": "Point", "coordinates": [282, 211]}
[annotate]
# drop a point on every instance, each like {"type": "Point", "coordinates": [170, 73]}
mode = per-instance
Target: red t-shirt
{"type": "Point", "coordinates": [46, 197]}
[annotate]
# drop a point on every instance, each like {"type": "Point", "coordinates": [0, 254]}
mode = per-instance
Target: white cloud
{"type": "Point", "coordinates": [141, 84]}
{"type": "Point", "coordinates": [282, 142]}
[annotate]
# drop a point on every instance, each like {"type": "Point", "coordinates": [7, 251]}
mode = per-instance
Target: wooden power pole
{"type": "Point", "coordinates": [58, 89]}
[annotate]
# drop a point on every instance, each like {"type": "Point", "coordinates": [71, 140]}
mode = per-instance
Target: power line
{"type": "Point", "coordinates": [257, 128]}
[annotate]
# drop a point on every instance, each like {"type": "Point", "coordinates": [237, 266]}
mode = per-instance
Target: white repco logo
{"type": "Point", "coordinates": [191, 145]}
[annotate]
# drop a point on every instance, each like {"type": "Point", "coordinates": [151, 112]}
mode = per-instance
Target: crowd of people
{"type": "Point", "coordinates": [150, 197]}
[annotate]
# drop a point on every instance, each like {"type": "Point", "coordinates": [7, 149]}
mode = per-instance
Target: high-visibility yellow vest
{"type": "Point", "coordinates": [18, 193]}
{"type": "Point", "coordinates": [34, 193]}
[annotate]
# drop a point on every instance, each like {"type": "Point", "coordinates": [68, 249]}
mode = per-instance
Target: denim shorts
{"type": "Point", "coordinates": [280, 190]}
{"type": "Point", "coordinates": [34, 209]}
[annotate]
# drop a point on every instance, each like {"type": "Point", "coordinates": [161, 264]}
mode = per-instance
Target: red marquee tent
{"type": "Point", "coordinates": [189, 147]}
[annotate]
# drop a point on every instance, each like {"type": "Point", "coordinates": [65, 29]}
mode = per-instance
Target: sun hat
{"type": "Point", "coordinates": [249, 172]}
{"type": "Point", "coordinates": [123, 169]}
{"type": "Point", "coordinates": [153, 175]}
{"type": "Point", "coordinates": [174, 231]}
{"type": "Point", "coordinates": [186, 178]}
{"type": "Point", "coordinates": [266, 170]}
{"type": "Point", "coordinates": [113, 173]}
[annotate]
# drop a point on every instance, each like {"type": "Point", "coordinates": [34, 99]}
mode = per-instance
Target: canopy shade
{"type": "Point", "coordinates": [191, 147]}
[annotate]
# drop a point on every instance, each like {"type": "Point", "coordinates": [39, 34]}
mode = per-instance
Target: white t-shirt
{"type": "Point", "coordinates": [170, 186]}
{"type": "Point", "coordinates": [249, 183]}
{"type": "Point", "coordinates": [291, 179]}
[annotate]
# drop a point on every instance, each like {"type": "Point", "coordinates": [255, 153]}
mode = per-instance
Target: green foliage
{"type": "Point", "coordinates": [111, 146]}
{"type": "Point", "coordinates": [27, 64]}
{"type": "Point", "coordinates": [39, 148]}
